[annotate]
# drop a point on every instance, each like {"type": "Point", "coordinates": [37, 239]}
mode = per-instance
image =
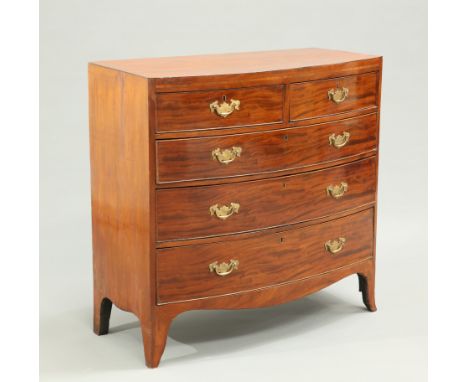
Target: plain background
{"type": "Point", "coordinates": [327, 336]}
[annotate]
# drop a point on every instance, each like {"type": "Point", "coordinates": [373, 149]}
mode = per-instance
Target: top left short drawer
{"type": "Point", "coordinates": [219, 109]}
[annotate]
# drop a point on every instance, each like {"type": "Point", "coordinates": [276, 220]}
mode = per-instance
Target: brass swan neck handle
{"type": "Point", "coordinates": [335, 245]}
{"type": "Point", "coordinates": [224, 269]}
{"type": "Point", "coordinates": [338, 95]}
{"type": "Point", "coordinates": [224, 109]}
{"type": "Point", "coordinates": [227, 155]}
{"type": "Point", "coordinates": [337, 191]}
{"type": "Point", "coordinates": [339, 141]}
{"type": "Point", "coordinates": [224, 212]}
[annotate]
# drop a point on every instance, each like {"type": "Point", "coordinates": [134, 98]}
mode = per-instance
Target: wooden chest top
{"type": "Point", "coordinates": [243, 69]}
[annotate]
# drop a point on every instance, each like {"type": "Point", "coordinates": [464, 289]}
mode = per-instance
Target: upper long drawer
{"type": "Point", "coordinates": [315, 99]}
{"type": "Point", "coordinates": [215, 109]}
{"type": "Point", "coordinates": [181, 160]}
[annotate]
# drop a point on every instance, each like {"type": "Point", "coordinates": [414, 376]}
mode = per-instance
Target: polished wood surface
{"type": "Point", "coordinates": [296, 149]}
{"type": "Point", "coordinates": [248, 234]}
{"type": "Point", "coordinates": [122, 195]}
{"type": "Point", "coordinates": [223, 71]}
{"type": "Point", "coordinates": [262, 297]}
{"type": "Point", "coordinates": [191, 110]}
{"type": "Point", "coordinates": [271, 259]}
{"type": "Point", "coordinates": [154, 178]}
{"type": "Point", "coordinates": [310, 99]}
{"type": "Point", "coordinates": [184, 213]}
{"type": "Point", "coordinates": [234, 63]}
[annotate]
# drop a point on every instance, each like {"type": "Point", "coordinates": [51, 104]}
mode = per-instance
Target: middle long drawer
{"type": "Point", "coordinates": [194, 212]}
{"type": "Point", "coordinates": [181, 160]}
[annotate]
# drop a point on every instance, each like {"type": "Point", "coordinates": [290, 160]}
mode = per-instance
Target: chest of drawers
{"type": "Point", "coordinates": [230, 181]}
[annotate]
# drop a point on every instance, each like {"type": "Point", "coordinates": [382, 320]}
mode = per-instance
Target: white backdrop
{"type": "Point", "coordinates": [327, 336]}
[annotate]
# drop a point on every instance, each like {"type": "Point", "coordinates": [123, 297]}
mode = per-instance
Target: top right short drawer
{"type": "Point", "coordinates": [314, 99]}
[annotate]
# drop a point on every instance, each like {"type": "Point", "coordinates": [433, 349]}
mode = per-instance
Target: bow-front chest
{"type": "Point", "coordinates": [230, 181]}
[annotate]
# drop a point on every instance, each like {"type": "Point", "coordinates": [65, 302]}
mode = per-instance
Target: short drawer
{"type": "Point", "coordinates": [216, 109]}
{"type": "Point", "coordinates": [194, 212]}
{"type": "Point", "coordinates": [332, 96]}
{"type": "Point", "coordinates": [239, 265]}
{"type": "Point", "coordinates": [256, 153]}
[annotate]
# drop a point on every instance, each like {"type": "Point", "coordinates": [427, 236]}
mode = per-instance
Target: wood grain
{"type": "Point", "coordinates": [184, 213]}
{"type": "Point", "coordinates": [122, 194]}
{"type": "Point", "coordinates": [290, 255]}
{"type": "Point", "coordinates": [250, 234]}
{"type": "Point", "coordinates": [190, 111]}
{"type": "Point", "coordinates": [234, 63]}
{"type": "Point", "coordinates": [262, 297]}
{"type": "Point", "coordinates": [310, 99]}
{"type": "Point", "coordinates": [225, 71]}
{"type": "Point", "coordinates": [147, 225]}
{"type": "Point", "coordinates": [182, 160]}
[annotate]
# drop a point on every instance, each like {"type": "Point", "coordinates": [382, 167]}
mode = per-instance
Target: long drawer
{"type": "Point", "coordinates": [231, 266]}
{"type": "Point", "coordinates": [195, 212]}
{"type": "Point", "coordinates": [263, 152]}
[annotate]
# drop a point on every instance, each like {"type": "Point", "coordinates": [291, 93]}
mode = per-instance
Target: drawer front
{"type": "Point", "coordinates": [256, 153]}
{"type": "Point", "coordinates": [185, 273]}
{"type": "Point", "coordinates": [216, 109]}
{"type": "Point", "coordinates": [195, 212]}
{"type": "Point", "coordinates": [327, 97]}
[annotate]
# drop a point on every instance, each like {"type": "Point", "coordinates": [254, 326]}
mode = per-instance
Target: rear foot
{"type": "Point", "coordinates": [102, 312]}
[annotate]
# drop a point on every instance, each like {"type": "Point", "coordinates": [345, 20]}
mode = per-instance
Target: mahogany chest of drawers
{"type": "Point", "coordinates": [230, 181]}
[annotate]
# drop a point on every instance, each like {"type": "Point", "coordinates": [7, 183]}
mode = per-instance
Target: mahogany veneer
{"type": "Point", "coordinates": [187, 111]}
{"type": "Point", "coordinates": [265, 152]}
{"type": "Point", "coordinates": [183, 213]}
{"type": "Point", "coordinates": [230, 181]}
{"type": "Point", "coordinates": [308, 101]}
{"type": "Point", "coordinates": [265, 261]}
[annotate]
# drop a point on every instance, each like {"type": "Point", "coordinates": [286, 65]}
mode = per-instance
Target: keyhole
{"type": "Point", "coordinates": [284, 185]}
{"type": "Point", "coordinates": [224, 98]}
{"type": "Point", "coordinates": [282, 240]}
{"type": "Point", "coordinates": [285, 137]}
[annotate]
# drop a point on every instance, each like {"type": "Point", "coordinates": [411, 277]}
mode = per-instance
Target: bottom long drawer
{"type": "Point", "coordinates": [237, 265]}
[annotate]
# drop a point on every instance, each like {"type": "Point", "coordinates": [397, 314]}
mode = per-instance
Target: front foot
{"type": "Point", "coordinates": [367, 288]}
{"type": "Point", "coordinates": [154, 337]}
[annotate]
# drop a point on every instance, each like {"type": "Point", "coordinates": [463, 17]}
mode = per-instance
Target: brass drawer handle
{"type": "Point", "coordinates": [224, 109]}
{"type": "Point", "coordinates": [339, 141]}
{"type": "Point", "coordinates": [337, 191]}
{"type": "Point", "coordinates": [224, 269]}
{"type": "Point", "coordinates": [338, 95]}
{"type": "Point", "coordinates": [336, 245]}
{"type": "Point", "coordinates": [224, 212]}
{"type": "Point", "coordinates": [227, 155]}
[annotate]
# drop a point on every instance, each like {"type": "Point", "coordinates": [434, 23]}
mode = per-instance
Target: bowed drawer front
{"type": "Point", "coordinates": [195, 212]}
{"type": "Point", "coordinates": [184, 273]}
{"type": "Point", "coordinates": [230, 182]}
{"type": "Point", "coordinates": [333, 96]}
{"type": "Point", "coordinates": [296, 148]}
{"type": "Point", "coordinates": [218, 109]}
